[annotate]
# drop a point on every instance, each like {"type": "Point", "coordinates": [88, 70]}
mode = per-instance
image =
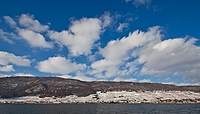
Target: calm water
{"type": "Point", "coordinates": [100, 109]}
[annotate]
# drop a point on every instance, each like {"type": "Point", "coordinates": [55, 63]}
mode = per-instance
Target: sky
{"type": "Point", "coordinates": [102, 40]}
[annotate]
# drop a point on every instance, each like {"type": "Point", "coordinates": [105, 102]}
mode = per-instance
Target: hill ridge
{"type": "Point", "coordinates": [61, 87]}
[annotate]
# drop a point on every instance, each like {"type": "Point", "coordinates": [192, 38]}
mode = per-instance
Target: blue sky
{"type": "Point", "coordinates": [121, 40]}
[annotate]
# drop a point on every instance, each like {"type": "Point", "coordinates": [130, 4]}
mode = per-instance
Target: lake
{"type": "Point", "coordinates": [99, 108]}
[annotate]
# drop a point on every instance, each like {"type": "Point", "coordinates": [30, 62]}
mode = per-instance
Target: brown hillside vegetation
{"type": "Point", "coordinates": [59, 87]}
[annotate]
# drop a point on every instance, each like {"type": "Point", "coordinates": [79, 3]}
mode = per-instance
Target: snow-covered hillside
{"type": "Point", "coordinates": [115, 97]}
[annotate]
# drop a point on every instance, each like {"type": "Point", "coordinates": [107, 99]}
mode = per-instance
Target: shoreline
{"type": "Point", "coordinates": [114, 97]}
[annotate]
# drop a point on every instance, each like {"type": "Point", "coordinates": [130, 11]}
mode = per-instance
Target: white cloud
{"type": "Point", "coordinates": [122, 26]}
{"type": "Point", "coordinates": [140, 2]}
{"type": "Point", "coordinates": [64, 76]}
{"type": "Point", "coordinates": [7, 68]}
{"type": "Point", "coordinates": [188, 84]}
{"type": "Point", "coordinates": [4, 75]}
{"type": "Point", "coordinates": [84, 78]}
{"type": "Point", "coordinates": [104, 68]}
{"type": "Point", "coordinates": [35, 39]}
{"type": "Point", "coordinates": [8, 37]}
{"type": "Point", "coordinates": [29, 30]}
{"type": "Point", "coordinates": [59, 65]}
{"type": "Point", "coordinates": [116, 52]}
{"type": "Point", "coordinates": [10, 21]}
{"type": "Point", "coordinates": [82, 34]}
{"type": "Point", "coordinates": [79, 39]}
{"type": "Point", "coordinates": [9, 58]}
{"type": "Point", "coordinates": [23, 74]}
{"type": "Point", "coordinates": [178, 56]}
{"type": "Point", "coordinates": [182, 84]}
{"type": "Point", "coordinates": [103, 64]}
{"type": "Point", "coordinates": [171, 57]}
{"type": "Point", "coordinates": [128, 0]}
{"type": "Point", "coordinates": [30, 23]}
{"type": "Point", "coordinates": [145, 81]}
{"type": "Point", "coordinates": [118, 49]}
{"type": "Point", "coordinates": [142, 53]}
{"type": "Point", "coordinates": [106, 19]}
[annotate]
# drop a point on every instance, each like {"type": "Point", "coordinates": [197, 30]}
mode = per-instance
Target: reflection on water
{"type": "Point", "coordinates": [99, 108]}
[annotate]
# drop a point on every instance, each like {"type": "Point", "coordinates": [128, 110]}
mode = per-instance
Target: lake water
{"type": "Point", "coordinates": [99, 108]}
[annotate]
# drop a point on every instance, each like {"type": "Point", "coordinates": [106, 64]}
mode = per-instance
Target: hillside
{"type": "Point", "coordinates": [59, 87]}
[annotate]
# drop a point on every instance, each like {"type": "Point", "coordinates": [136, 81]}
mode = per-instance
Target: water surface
{"type": "Point", "coordinates": [99, 108]}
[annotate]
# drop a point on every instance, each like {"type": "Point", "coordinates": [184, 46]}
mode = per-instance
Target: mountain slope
{"type": "Point", "coordinates": [59, 87]}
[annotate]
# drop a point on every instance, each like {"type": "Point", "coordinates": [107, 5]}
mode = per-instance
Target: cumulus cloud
{"type": "Point", "coordinates": [146, 81]}
{"type": "Point", "coordinates": [10, 21]}
{"type": "Point", "coordinates": [82, 34]}
{"type": "Point", "coordinates": [23, 74]}
{"type": "Point", "coordinates": [64, 76]}
{"type": "Point", "coordinates": [4, 75]}
{"type": "Point", "coordinates": [79, 39]}
{"type": "Point", "coordinates": [30, 23]}
{"type": "Point", "coordinates": [59, 65]}
{"type": "Point", "coordinates": [8, 37]}
{"type": "Point", "coordinates": [9, 58]}
{"type": "Point", "coordinates": [118, 49]}
{"type": "Point", "coordinates": [117, 52]}
{"type": "Point", "coordinates": [178, 56]}
{"type": "Point", "coordinates": [29, 29]}
{"type": "Point", "coordinates": [104, 69]}
{"type": "Point", "coordinates": [35, 39]}
{"type": "Point", "coordinates": [7, 68]}
{"type": "Point", "coordinates": [139, 53]}
{"type": "Point", "coordinates": [187, 84]}
{"type": "Point", "coordinates": [145, 53]}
